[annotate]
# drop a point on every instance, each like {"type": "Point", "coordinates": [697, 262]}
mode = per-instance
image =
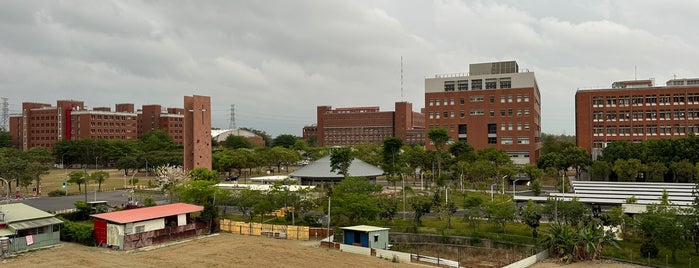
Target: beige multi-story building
{"type": "Point", "coordinates": [495, 105]}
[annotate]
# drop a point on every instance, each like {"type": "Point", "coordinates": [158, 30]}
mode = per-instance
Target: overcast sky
{"type": "Point", "coordinates": [278, 60]}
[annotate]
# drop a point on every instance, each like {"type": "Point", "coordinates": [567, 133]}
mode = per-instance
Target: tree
{"type": "Point", "coordinates": [99, 177]}
{"type": "Point", "coordinates": [237, 142]}
{"type": "Point", "coordinates": [661, 223]}
{"type": "Point", "coordinates": [5, 139]}
{"type": "Point", "coordinates": [284, 140]}
{"type": "Point", "coordinates": [534, 174]}
{"type": "Point", "coordinates": [627, 170]}
{"type": "Point", "coordinates": [682, 171]}
{"type": "Point", "coordinates": [474, 210]}
{"type": "Point", "coordinates": [170, 178]}
{"type": "Point", "coordinates": [655, 172]}
{"type": "Point", "coordinates": [203, 193]}
{"type": "Point", "coordinates": [391, 160]}
{"type": "Point", "coordinates": [340, 161]}
{"type": "Point", "coordinates": [531, 216]}
{"type": "Point", "coordinates": [500, 212]}
{"type": "Point", "coordinates": [439, 137]}
{"type": "Point", "coordinates": [447, 210]}
{"type": "Point", "coordinates": [203, 174]}
{"type": "Point", "coordinates": [77, 177]}
{"type": "Point", "coordinates": [600, 170]}
{"type": "Point", "coordinates": [387, 209]}
{"type": "Point", "coordinates": [353, 198]}
{"type": "Point", "coordinates": [245, 200]}
{"type": "Point", "coordinates": [421, 205]}
{"type": "Point", "coordinates": [264, 135]}
{"type": "Point", "coordinates": [462, 151]}
{"type": "Point", "coordinates": [578, 158]}
{"type": "Point", "coordinates": [158, 140]}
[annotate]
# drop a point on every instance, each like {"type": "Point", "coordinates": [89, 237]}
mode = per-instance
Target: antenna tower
{"type": "Point", "coordinates": [401, 79]}
{"type": "Point", "coordinates": [5, 115]}
{"type": "Point", "coordinates": [231, 123]}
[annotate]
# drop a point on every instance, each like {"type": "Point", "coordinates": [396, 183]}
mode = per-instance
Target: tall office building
{"type": "Point", "coordinates": [155, 117]}
{"type": "Point", "coordinates": [360, 125]}
{"type": "Point", "coordinates": [495, 105]}
{"type": "Point", "coordinates": [635, 111]}
{"type": "Point", "coordinates": [197, 132]}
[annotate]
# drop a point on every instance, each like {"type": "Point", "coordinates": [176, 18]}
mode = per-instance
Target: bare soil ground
{"type": "Point", "coordinates": [223, 250]}
{"type": "Point", "coordinates": [551, 263]}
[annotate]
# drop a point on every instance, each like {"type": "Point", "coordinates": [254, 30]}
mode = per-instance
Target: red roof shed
{"type": "Point", "coordinates": [148, 213]}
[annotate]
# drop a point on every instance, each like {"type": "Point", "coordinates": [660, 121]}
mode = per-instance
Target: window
{"type": "Point", "coordinates": [436, 102]}
{"type": "Point", "coordinates": [651, 100]}
{"type": "Point", "coordinates": [503, 126]}
{"type": "Point", "coordinates": [526, 126]}
{"type": "Point", "coordinates": [462, 101]}
{"type": "Point", "coordinates": [610, 100]}
{"type": "Point", "coordinates": [664, 114]}
{"type": "Point", "coordinates": [505, 82]}
{"type": "Point", "coordinates": [519, 126]}
{"type": "Point", "coordinates": [637, 100]}
{"type": "Point", "coordinates": [492, 129]}
{"type": "Point", "coordinates": [678, 98]}
{"type": "Point", "coordinates": [492, 140]}
{"type": "Point", "coordinates": [523, 140]}
{"type": "Point", "coordinates": [477, 98]}
{"type": "Point", "coordinates": [651, 115]}
{"type": "Point", "coordinates": [509, 126]}
{"type": "Point", "coordinates": [526, 112]}
{"type": "Point", "coordinates": [431, 115]}
{"type": "Point", "coordinates": [462, 114]}
{"type": "Point", "coordinates": [506, 140]}
{"type": "Point", "coordinates": [519, 112]}
{"type": "Point", "coordinates": [509, 98]}
{"type": "Point", "coordinates": [519, 98]}
{"type": "Point", "coordinates": [490, 83]}
{"type": "Point", "coordinates": [502, 99]}
{"type": "Point", "coordinates": [502, 112]}
{"type": "Point", "coordinates": [139, 229]}
{"type": "Point", "coordinates": [476, 84]}
{"type": "Point", "coordinates": [446, 114]}
{"type": "Point", "coordinates": [477, 112]}
{"type": "Point", "coordinates": [652, 130]}
{"type": "Point", "coordinates": [448, 85]}
{"type": "Point", "coordinates": [678, 114]}
{"type": "Point", "coordinates": [451, 101]}
{"type": "Point", "coordinates": [492, 112]}
{"type": "Point", "coordinates": [597, 101]}
{"type": "Point", "coordinates": [463, 128]}
{"type": "Point", "coordinates": [462, 85]}
{"type": "Point", "coordinates": [624, 101]}
{"type": "Point", "coordinates": [451, 114]}
{"type": "Point", "coordinates": [491, 99]}
{"type": "Point", "coordinates": [509, 112]}
{"type": "Point", "coordinates": [611, 130]}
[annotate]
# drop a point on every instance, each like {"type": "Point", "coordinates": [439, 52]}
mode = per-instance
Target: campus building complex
{"type": "Point", "coordinates": [495, 105]}
{"type": "Point", "coordinates": [635, 111]}
{"type": "Point", "coordinates": [41, 124]}
{"type": "Point", "coordinates": [361, 125]}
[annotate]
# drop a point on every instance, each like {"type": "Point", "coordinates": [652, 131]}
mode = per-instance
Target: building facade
{"type": "Point", "coordinates": [362, 125]}
{"type": "Point", "coordinates": [42, 125]}
{"type": "Point", "coordinates": [495, 105]}
{"type": "Point", "coordinates": [635, 111]}
{"type": "Point", "coordinates": [155, 117]}
{"type": "Point", "coordinates": [197, 134]}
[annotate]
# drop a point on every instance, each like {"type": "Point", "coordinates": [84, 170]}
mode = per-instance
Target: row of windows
{"type": "Point", "coordinates": [477, 84]}
{"type": "Point", "coordinates": [111, 117]}
{"type": "Point", "coordinates": [647, 115]}
{"type": "Point", "coordinates": [644, 130]}
{"type": "Point", "coordinates": [491, 112]}
{"type": "Point", "coordinates": [492, 128]}
{"type": "Point", "coordinates": [53, 124]}
{"type": "Point", "coordinates": [648, 100]}
{"type": "Point", "coordinates": [111, 137]}
{"type": "Point", "coordinates": [110, 130]}
{"type": "Point", "coordinates": [44, 131]}
{"type": "Point", "coordinates": [491, 99]}
{"type": "Point", "coordinates": [43, 118]}
{"type": "Point", "coordinates": [111, 124]}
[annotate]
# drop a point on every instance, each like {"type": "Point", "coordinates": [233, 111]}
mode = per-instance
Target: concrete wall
{"type": "Point", "coordinates": [530, 260]}
{"type": "Point", "coordinates": [389, 254]}
{"type": "Point", "coordinates": [355, 249]}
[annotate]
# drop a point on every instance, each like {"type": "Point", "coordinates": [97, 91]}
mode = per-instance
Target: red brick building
{"type": "Point", "coordinates": [155, 117]}
{"type": "Point", "coordinates": [197, 134]}
{"type": "Point", "coordinates": [494, 105]}
{"type": "Point", "coordinates": [41, 124]}
{"type": "Point", "coordinates": [635, 111]}
{"type": "Point", "coordinates": [360, 125]}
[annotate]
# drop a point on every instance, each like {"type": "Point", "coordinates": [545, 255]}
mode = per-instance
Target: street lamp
{"type": "Point", "coordinates": [64, 154]}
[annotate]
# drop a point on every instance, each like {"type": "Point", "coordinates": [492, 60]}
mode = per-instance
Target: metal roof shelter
{"type": "Point", "coordinates": [319, 171]}
{"type": "Point", "coordinates": [616, 193]}
{"type": "Point", "coordinates": [148, 213]}
{"type": "Point", "coordinates": [366, 236]}
{"type": "Point", "coordinates": [30, 227]}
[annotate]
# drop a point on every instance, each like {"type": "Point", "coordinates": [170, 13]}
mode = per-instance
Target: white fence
{"type": "Point", "coordinates": [396, 255]}
{"type": "Point", "coordinates": [435, 260]}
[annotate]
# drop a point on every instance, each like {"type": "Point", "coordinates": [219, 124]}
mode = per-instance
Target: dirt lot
{"type": "Point", "coordinates": [223, 250]}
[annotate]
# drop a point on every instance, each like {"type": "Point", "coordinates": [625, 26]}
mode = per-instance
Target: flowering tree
{"type": "Point", "coordinates": [170, 178]}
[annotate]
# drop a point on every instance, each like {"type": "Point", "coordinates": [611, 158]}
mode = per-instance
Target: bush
{"type": "Point", "coordinates": [57, 193]}
{"type": "Point", "coordinates": [82, 233]}
{"type": "Point", "coordinates": [648, 248]}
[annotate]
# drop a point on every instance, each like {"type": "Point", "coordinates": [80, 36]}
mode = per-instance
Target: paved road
{"type": "Point", "coordinates": [113, 198]}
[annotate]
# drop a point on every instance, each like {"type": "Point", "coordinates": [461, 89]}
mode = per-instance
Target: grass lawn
{"type": "Point", "coordinates": [116, 181]}
{"type": "Point", "coordinates": [630, 250]}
